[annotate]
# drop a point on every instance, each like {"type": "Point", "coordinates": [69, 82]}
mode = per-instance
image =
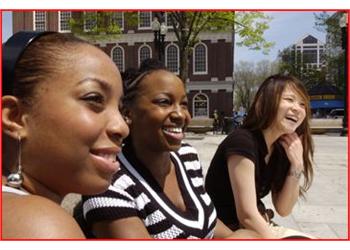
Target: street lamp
{"type": "Point", "coordinates": [159, 30]}
{"type": "Point", "coordinates": [343, 23]}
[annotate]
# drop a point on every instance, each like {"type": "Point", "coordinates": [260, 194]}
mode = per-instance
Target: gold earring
{"type": "Point", "coordinates": [16, 179]}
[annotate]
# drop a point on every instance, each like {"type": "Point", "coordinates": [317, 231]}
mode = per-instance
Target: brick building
{"type": "Point", "coordinates": [210, 82]}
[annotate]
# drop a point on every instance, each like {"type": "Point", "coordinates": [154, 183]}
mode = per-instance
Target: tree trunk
{"type": "Point", "coordinates": [184, 64]}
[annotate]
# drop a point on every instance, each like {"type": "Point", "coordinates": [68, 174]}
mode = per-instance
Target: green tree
{"type": "Point", "coordinates": [335, 70]}
{"type": "Point", "coordinates": [249, 26]}
{"type": "Point", "coordinates": [102, 24]}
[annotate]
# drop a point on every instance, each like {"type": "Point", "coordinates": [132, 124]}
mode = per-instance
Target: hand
{"type": "Point", "coordinates": [294, 149]}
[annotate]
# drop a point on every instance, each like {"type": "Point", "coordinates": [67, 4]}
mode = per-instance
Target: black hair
{"type": "Point", "coordinates": [133, 77]}
{"type": "Point", "coordinates": [30, 58]}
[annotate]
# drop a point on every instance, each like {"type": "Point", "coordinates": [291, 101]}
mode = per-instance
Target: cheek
{"type": "Point", "coordinates": [188, 117]}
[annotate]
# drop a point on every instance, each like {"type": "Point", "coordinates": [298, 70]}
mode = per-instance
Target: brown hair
{"type": "Point", "coordinates": [263, 111]}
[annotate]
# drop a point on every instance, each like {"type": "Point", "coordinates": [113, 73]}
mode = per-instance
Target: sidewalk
{"type": "Point", "coordinates": [324, 214]}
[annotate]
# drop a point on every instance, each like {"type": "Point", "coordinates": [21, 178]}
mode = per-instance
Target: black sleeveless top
{"type": "Point", "coordinates": [252, 145]}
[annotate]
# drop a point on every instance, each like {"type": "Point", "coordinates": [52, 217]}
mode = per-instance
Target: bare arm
{"type": "Point", "coordinates": [285, 200]}
{"type": "Point", "coordinates": [241, 172]}
{"type": "Point", "coordinates": [128, 228]}
{"type": "Point", "coordinates": [35, 217]}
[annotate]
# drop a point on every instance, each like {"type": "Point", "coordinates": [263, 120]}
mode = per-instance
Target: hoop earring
{"type": "Point", "coordinates": [15, 180]}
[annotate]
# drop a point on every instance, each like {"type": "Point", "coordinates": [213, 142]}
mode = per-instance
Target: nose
{"type": "Point", "coordinates": [117, 129]}
{"type": "Point", "coordinates": [178, 114]}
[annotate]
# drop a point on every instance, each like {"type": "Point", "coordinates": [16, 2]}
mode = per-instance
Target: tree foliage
{"type": "Point", "coordinates": [249, 26]}
{"type": "Point", "coordinates": [335, 56]}
{"type": "Point", "coordinates": [187, 25]}
{"type": "Point", "coordinates": [248, 78]}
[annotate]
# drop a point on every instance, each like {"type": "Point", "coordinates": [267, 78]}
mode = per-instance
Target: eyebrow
{"type": "Point", "coordinates": [103, 84]}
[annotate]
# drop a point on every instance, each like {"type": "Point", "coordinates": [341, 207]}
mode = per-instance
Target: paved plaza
{"type": "Point", "coordinates": [324, 213]}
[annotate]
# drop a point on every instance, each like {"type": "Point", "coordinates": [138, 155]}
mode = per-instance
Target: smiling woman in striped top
{"type": "Point", "coordinates": [158, 193]}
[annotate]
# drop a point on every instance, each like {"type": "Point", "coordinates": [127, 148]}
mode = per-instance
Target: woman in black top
{"type": "Point", "coordinates": [270, 152]}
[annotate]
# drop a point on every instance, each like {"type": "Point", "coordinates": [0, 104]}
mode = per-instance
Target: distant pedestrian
{"type": "Point", "coordinates": [269, 153]}
{"type": "Point", "coordinates": [215, 122]}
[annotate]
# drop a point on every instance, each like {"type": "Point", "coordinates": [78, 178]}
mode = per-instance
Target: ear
{"type": "Point", "coordinates": [13, 117]}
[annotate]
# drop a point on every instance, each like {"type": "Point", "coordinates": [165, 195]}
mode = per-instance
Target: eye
{"type": "Point", "coordinates": [163, 102]}
{"type": "Point", "coordinates": [94, 98]}
{"type": "Point", "coordinates": [288, 99]}
{"type": "Point", "coordinates": [184, 104]}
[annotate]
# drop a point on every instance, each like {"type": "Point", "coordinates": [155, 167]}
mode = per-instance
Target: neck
{"type": "Point", "coordinates": [34, 187]}
{"type": "Point", "coordinates": [158, 163]}
{"type": "Point", "coordinates": [270, 137]}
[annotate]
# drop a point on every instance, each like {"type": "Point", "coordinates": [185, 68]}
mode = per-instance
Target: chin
{"type": "Point", "coordinates": [174, 147]}
{"type": "Point", "coordinates": [98, 186]}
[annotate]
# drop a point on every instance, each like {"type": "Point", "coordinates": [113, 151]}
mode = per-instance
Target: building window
{"type": "Point", "coordinates": [200, 105]}
{"type": "Point", "coordinates": [172, 58]}
{"type": "Point", "coordinates": [168, 21]}
{"type": "Point", "coordinates": [145, 52]}
{"type": "Point", "coordinates": [63, 21]}
{"type": "Point", "coordinates": [118, 57]}
{"type": "Point", "coordinates": [118, 19]}
{"type": "Point", "coordinates": [200, 59]}
{"type": "Point", "coordinates": [90, 20]}
{"type": "Point", "coordinates": [309, 56]}
{"type": "Point", "coordinates": [145, 20]}
{"type": "Point", "coordinates": [39, 20]}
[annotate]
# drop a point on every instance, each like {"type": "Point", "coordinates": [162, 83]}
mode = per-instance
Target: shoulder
{"type": "Point", "coordinates": [187, 149]}
{"type": "Point", "coordinates": [241, 142]}
{"type": "Point", "coordinates": [241, 134]}
{"type": "Point", "coordinates": [36, 217]}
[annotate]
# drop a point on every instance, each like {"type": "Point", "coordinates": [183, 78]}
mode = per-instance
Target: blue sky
{"type": "Point", "coordinates": [285, 29]}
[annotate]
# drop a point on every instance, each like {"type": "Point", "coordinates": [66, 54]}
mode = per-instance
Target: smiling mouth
{"type": "Point", "coordinates": [292, 119]}
{"type": "Point", "coordinates": [175, 133]}
{"type": "Point", "coordinates": [106, 159]}
{"type": "Point", "coordinates": [173, 130]}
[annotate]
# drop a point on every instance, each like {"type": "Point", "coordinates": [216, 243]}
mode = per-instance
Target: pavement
{"type": "Point", "coordinates": [324, 213]}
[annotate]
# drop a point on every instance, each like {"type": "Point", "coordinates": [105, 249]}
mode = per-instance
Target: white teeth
{"type": "Point", "coordinates": [173, 130]}
{"type": "Point", "coordinates": [110, 157]}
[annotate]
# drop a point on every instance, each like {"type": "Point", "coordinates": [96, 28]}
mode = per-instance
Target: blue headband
{"type": "Point", "coordinates": [12, 51]}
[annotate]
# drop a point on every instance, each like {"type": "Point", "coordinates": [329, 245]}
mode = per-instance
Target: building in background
{"type": "Point", "coordinates": [306, 54]}
{"type": "Point", "coordinates": [210, 83]}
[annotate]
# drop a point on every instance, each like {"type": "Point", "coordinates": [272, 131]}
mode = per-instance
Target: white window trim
{"type": "Point", "coordinates": [178, 57]}
{"type": "Point", "coordinates": [139, 52]}
{"type": "Point", "coordinates": [194, 60]}
{"type": "Point", "coordinates": [123, 55]}
{"type": "Point", "coordinates": [138, 21]}
{"type": "Point", "coordinates": [193, 110]}
{"type": "Point", "coordinates": [87, 30]}
{"type": "Point", "coordinates": [59, 22]}
{"type": "Point", "coordinates": [34, 28]}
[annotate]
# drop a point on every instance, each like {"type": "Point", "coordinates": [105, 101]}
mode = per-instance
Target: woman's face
{"type": "Point", "coordinates": [159, 114]}
{"type": "Point", "coordinates": [75, 128]}
{"type": "Point", "coordinates": [291, 111]}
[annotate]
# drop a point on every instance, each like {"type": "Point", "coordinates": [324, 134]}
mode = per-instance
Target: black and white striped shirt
{"type": "Point", "coordinates": [134, 192]}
